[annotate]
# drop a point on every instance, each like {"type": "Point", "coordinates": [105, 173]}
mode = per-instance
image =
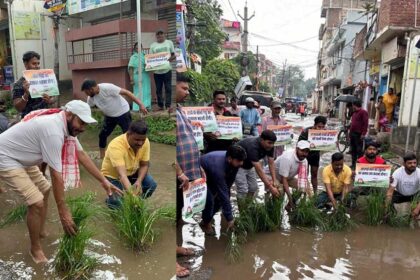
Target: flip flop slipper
{"type": "Point", "coordinates": [35, 261]}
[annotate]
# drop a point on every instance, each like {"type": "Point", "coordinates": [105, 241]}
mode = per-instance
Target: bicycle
{"type": "Point", "coordinates": [343, 139]}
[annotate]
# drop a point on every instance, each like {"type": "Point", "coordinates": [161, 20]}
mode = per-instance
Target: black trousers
{"type": "Point", "coordinates": [179, 201]}
{"type": "Point", "coordinates": [356, 146]}
{"type": "Point", "coordinates": [109, 125]}
{"type": "Point", "coordinates": [160, 81]}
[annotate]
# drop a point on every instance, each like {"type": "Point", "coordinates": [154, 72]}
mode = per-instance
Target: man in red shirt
{"type": "Point", "coordinates": [371, 154]}
{"type": "Point", "coordinates": [358, 130]}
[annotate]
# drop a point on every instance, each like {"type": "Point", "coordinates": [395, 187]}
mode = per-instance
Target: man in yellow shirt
{"type": "Point", "coordinates": [390, 99]}
{"type": "Point", "coordinates": [337, 178]}
{"type": "Point", "coordinates": [126, 163]}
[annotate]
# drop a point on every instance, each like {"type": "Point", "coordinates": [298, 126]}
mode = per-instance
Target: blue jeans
{"type": "Point", "coordinates": [148, 186]}
{"type": "Point", "coordinates": [323, 199]}
{"type": "Point", "coordinates": [212, 206]}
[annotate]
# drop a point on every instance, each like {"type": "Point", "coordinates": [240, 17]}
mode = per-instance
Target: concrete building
{"type": "Point", "coordinates": [232, 43]}
{"type": "Point", "coordinates": [388, 42]}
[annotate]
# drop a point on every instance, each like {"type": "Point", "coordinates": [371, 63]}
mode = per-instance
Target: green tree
{"type": "Point", "coordinates": [199, 87]}
{"type": "Point", "coordinates": [206, 38]}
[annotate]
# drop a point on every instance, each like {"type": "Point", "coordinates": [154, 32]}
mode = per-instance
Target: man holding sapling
{"type": "Point", "coordinates": [337, 178]}
{"type": "Point", "coordinates": [221, 168]}
{"type": "Point", "coordinates": [405, 186]}
{"type": "Point", "coordinates": [292, 163]}
{"type": "Point", "coordinates": [256, 149]}
{"type": "Point", "coordinates": [47, 136]}
{"type": "Point", "coordinates": [314, 156]}
{"type": "Point", "coordinates": [126, 163]}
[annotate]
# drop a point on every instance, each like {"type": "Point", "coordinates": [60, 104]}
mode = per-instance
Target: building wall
{"type": "Point", "coordinates": [399, 13]}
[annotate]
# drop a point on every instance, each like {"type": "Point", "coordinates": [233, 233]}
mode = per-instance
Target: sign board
{"type": "Point", "coordinates": [78, 6]}
{"type": "Point", "coordinates": [204, 115]}
{"type": "Point", "coordinates": [157, 61]}
{"type": "Point", "coordinates": [180, 61]}
{"type": "Point", "coordinates": [229, 127]}
{"type": "Point", "coordinates": [372, 175]}
{"type": "Point", "coordinates": [194, 198]}
{"type": "Point", "coordinates": [54, 5]}
{"type": "Point", "coordinates": [283, 133]}
{"type": "Point", "coordinates": [27, 25]}
{"type": "Point", "coordinates": [41, 82]}
{"type": "Point", "coordinates": [323, 140]}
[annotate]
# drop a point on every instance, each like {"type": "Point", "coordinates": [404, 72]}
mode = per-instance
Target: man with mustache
{"type": "Point", "coordinates": [46, 136]}
{"type": "Point", "coordinates": [126, 162]}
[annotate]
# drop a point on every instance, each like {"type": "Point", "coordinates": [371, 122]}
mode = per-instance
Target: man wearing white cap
{"type": "Point", "coordinates": [250, 118]}
{"type": "Point", "coordinates": [43, 136]}
{"type": "Point", "coordinates": [290, 164]}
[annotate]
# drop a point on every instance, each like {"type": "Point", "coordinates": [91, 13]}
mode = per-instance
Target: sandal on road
{"type": "Point", "coordinates": [185, 252]}
{"type": "Point", "coordinates": [181, 271]}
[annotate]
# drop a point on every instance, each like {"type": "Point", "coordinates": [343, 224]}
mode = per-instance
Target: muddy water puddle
{"type": "Point", "coordinates": [116, 260]}
{"type": "Point", "coordinates": [365, 252]}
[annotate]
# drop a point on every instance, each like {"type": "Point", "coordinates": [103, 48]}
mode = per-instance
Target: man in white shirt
{"type": "Point", "coordinates": [405, 186]}
{"type": "Point", "coordinates": [109, 99]}
{"type": "Point", "coordinates": [41, 139]}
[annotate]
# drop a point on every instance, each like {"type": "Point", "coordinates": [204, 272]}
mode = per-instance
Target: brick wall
{"type": "Point", "coordinates": [357, 4]}
{"type": "Point", "coordinates": [359, 42]}
{"type": "Point", "coordinates": [398, 13]}
{"type": "Point", "coordinates": [333, 18]}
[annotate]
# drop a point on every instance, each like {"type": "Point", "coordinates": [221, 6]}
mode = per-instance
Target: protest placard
{"type": "Point", "coordinates": [372, 175]}
{"type": "Point", "coordinates": [322, 140]}
{"type": "Point", "coordinates": [283, 133]}
{"type": "Point", "coordinates": [229, 127]}
{"type": "Point", "coordinates": [41, 82]}
{"type": "Point", "coordinates": [194, 198]}
{"type": "Point", "coordinates": [203, 115]}
{"type": "Point", "coordinates": [198, 134]}
{"type": "Point", "coordinates": [157, 61]}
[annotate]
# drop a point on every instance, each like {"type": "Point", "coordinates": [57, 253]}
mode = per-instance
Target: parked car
{"type": "Point", "coordinates": [264, 98]}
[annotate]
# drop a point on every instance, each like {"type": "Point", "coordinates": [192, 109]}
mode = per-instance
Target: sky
{"type": "Point", "coordinates": [281, 21]}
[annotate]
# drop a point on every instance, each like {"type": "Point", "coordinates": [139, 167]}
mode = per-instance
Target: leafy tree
{"type": "Point", "coordinates": [206, 38]}
{"type": "Point", "coordinates": [263, 86]}
{"type": "Point", "coordinates": [222, 74]}
{"type": "Point", "coordinates": [199, 87]}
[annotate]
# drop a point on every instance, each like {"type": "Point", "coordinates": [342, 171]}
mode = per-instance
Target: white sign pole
{"type": "Point", "coordinates": [140, 68]}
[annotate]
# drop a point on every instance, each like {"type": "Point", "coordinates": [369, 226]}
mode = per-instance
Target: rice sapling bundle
{"type": "Point", "coordinates": [136, 221]}
{"type": "Point", "coordinates": [339, 220]}
{"type": "Point", "coordinates": [237, 236]}
{"type": "Point", "coordinates": [397, 220]}
{"type": "Point", "coordinates": [375, 207]}
{"type": "Point", "coordinates": [306, 214]}
{"type": "Point", "coordinates": [17, 214]}
{"type": "Point", "coordinates": [274, 208]}
{"type": "Point", "coordinates": [71, 262]}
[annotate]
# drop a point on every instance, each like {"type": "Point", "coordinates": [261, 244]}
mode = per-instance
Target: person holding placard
{"type": "Point", "coordinates": [22, 99]}
{"type": "Point", "coordinates": [288, 165]}
{"type": "Point", "coordinates": [405, 186]}
{"type": "Point", "coordinates": [274, 119]}
{"type": "Point", "coordinates": [314, 156]}
{"type": "Point", "coordinates": [163, 76]}
{"type": "Point", "coordinates": [250, 118]}
{"type": "Point", "coordinates": [256, 149]}
{"type": "Point", "coordinates": [337, 178]}
{"type": "Point", "coordinates": [109, 98]}
{"type": "Point", "coordinates": [221, 168]}
{"type": "Point", "coordinates": [126, 163]}
{"type": "Point", "coordinates": [212, 143]}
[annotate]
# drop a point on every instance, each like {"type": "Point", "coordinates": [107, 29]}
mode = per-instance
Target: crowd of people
{"type": "Point", "coordinates": [242, 162]}
{"type": "Point", "coordinates": [47, 136]}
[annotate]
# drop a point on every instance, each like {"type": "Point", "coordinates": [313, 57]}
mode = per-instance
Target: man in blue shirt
{"type": "Point", "coordinates": [220, 168]}
{"type": "Point", "coordinates": [250, 118]}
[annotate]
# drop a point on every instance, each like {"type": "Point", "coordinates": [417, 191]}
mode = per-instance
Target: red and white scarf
{"type": "Point", "coordinates": [69, 160]}
{"type": "Point", "coordinates": [302, 176]}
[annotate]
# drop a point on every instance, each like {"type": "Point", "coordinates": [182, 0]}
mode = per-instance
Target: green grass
{"type": "Point", "coordinates": [17, 214]}
{"type": "Point", "coordinates": [71, 262]}
{"type": "Point", "coordinates": [394, 219]}
{"type": "Point", "coordinates": [338, 220]}
{"type": "Point", "coordinates": [307, 215]}
{"type": "Point", "coordinates": [136, 221]}
{"type": "Point", "coordinates": [375, 208]}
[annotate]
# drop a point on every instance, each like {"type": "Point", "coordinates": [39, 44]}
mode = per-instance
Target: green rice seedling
{"type": "Point", "coordinates": [307, 215]}
{"type": "Point", "coordinates": [233, 250]}
{"type": "Point", "coordinates": [274, 208]}
{"type": "Point", "coordinates": [135, 222]}
{"type": "Point", "coordinates": [375, 208]}
{"type": "Point", "coordinates": [17, 214]}
{"type": "Point", "coordinates": [71, 262]}
{"type": "Point", "coordinates": [338, 220]}
{"type": "Point", "coordinates": [393, 219]}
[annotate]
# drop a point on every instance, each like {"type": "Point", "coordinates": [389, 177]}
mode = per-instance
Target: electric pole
{"type": "Point", "coordinates": [245, 18]}
{"type": "Point", "coordinates": [257, 70]}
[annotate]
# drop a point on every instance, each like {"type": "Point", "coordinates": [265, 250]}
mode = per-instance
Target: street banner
{"type": "Point", "coordinates": [180, 61]}
{"type": "Point", "coordinates": [322, 140]}
{"type": "Point", "coordinates": [78, 6]}
{"type": "Point", "coordinates": [26, 25]}
{"type": "Point", "coordinates": [283, 133]}
{"type": "Point", "coordinates": [157, 61]}
{"type": "Point", "coordinates": [204, 115]}
{"type": "Point", "coordinates": [41, 82]}
{"type": "Point", "coordinates": [180, 31]}
{"type": "Point", "coordinates": [55, 5]}
{"type": "Point", "coordinates": [372, 175]}
{"type": "Point", "coordinates": [198, 134]}
{"type": "Point", "coordinates": [229, 127]}
{"type": "Point", "coordinates": [194, 198]}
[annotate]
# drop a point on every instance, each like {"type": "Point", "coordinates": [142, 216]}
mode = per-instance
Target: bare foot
{"type": "Point", "coordinates": [43, 234]}
{"type": "Point", "coordinates": [38, 257]}
{"type": "Point", "coordinates": [181, 271]}
{"type": "Point", "coordinates": [182, 251]}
